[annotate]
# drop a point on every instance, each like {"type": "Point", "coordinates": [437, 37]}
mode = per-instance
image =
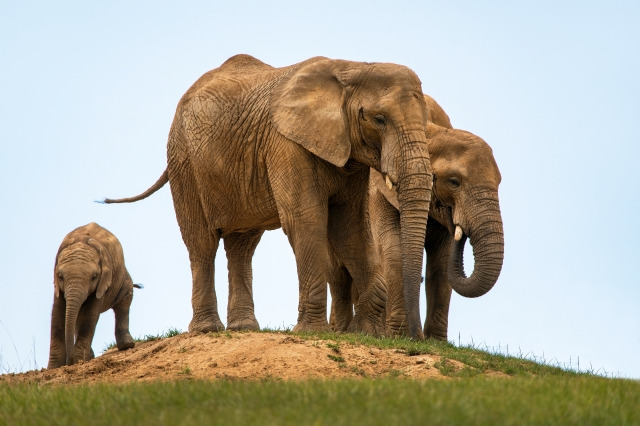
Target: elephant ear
{"type": "Point", "coordinates": [436, 113]}
{"type": "Point", "coordinates": [307, 107]}
{"type": "Point", "coordinates": [106, 268]}
{"type": "Point", "coordinates": [57, 287]}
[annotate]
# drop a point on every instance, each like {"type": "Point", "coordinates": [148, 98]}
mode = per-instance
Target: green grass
{"type": "Point", "coordinates": [563, 400]}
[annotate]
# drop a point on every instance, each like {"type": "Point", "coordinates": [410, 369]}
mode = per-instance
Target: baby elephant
{"type": "Point", "coordinates": [89, 277]}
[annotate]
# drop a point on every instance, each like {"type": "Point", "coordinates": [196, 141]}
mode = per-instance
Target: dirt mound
{"type": "Point", "coordinates": [243, 356]}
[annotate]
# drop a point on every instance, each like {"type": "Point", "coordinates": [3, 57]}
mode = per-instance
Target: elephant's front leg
{"type": "Point", "coordinates": [309, 242]}
{"type": "Point", "coordinates": [437, 286]}
{"type": "Point", "coordinates": [57, 350]}
{"type": "Point", "coordinates": [240, 310]}
{"type": "Point", "coordinates": [299, 183]}
{"type": "Point", "coordinates": [385, 224]}
{"type": "Point", "coordinates": [86, 328]}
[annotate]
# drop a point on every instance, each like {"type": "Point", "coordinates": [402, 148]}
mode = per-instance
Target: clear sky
{"type": "Point", "coordinates": [88, 92]}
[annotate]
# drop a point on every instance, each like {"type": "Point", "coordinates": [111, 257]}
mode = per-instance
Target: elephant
{"type": "Point", "coordinates": [89, 277]}
{"type": "Point", "coordinates": [253, 148]}
{"type": "Point", "coordinates": [464, 205]}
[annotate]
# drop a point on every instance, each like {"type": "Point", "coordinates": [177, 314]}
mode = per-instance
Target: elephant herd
{"type": "Point", "coordinates": [350, 159]}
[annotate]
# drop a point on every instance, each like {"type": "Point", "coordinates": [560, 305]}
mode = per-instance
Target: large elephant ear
{"type": "Point", "coordinates": [106, 268]}
{"type": "Point", "coordinates": [57, 287]}
{"type": "Point", "coordinates": [307, 107]}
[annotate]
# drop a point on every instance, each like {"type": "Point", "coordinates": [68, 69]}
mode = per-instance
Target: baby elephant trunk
{"type": "Point", "coordinates": [74, 301]}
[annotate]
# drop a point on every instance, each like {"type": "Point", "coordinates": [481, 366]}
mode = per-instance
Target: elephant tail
{"type": "Point", "coordinates": [159, 184]}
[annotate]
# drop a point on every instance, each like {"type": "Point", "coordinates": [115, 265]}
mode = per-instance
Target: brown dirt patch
{"type": "Point", "coordinates": [242, 356]}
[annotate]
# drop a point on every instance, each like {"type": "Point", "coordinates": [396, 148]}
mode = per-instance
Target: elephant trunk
{"type": "Point", "coordinates": [487, 239]}
{"type": "Point", "coordinates": [74, 299]}
{"type": "Point", "coordinates": [414, 197]}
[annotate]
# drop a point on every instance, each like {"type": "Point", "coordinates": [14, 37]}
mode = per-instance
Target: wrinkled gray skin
{"type": "Point", "coordinates": [89, 278]}
{"type": "Point", "coordinates": [254, 148]}
{"type": "Point", "coordinates": [465, 193]}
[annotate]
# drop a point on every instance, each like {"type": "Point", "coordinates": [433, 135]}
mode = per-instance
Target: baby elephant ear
{"type": "Point", "coordinates": [307, 107]}
{"type": "Point", "coordinates": [106, 266]}
{"type": "Point", "coordinates": [57, 285]}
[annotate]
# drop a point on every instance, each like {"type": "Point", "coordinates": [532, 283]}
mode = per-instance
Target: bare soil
{"type": "Point", "coordinates": [240, 356]}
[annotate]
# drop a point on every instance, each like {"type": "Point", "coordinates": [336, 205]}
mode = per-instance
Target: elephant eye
{"type": "Point", "coordinates": [94, 276]}
{"type": "Point", "coordinates": [60, 277]}
{"type": "Point", "coordinates": [454, 182]}
{"type": "Point", "coordinates": [380, 119]}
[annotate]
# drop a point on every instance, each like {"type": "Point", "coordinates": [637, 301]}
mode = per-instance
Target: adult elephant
{"type": "Point", "coordinates": [253, 148]}
{"type": "Point", "coordinates": [464, 205]}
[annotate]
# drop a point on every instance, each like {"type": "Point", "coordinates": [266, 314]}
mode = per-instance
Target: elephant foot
{"type": "Point", "coordinates": [250, 324]}
{"type": "Point", "coordinates": [397, 327]}
{"type": "Point", "coordinates": [125, 342]}
{"type": "Point", "coordinates": [55, 363]}
{"type": "Point", "coordinates": [205, 324]}
{"type": "Point", "coordinates": [363, 325]}
{"type": "Point", "coordinates": [430, 333]}
{"type": "Point", "coordinates": [311, 327]}
{"type": "Point", "coordinates": [84, 353]}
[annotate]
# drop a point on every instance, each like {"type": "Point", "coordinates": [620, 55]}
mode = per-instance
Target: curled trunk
{"type": "Point", "coordinates": [487, 239]}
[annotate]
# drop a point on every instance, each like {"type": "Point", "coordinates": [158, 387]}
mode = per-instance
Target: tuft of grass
{"type": "Point", "coordinates": [335, 347]}
{"type": "Point", "coordinates": [336, 358]}
{"type": "Point", "coordinates": [149, 338]}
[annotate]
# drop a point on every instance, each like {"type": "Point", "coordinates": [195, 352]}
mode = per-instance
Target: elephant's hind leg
{"type": "Point", "coordinates": [202, 244]}
{"type": "Point", "coordinates": [203, 295]}
{"type": "Point", "coordinates": [121, 310]}
{"type": "Point", "coordinates": [341, 300]}
{"type": "Point", "coordinates": [352, 242]}
{"type": "Point", "coordinates": [240, 248]}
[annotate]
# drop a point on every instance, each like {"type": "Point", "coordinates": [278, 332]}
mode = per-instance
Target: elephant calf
{"type": "Point", "coordinates": [89, 277]}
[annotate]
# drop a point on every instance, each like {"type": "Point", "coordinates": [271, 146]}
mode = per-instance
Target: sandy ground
{"type": "Point", "coordinates": [240, 356]}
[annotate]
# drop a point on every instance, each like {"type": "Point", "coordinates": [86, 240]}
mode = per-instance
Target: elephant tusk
{"type": "Point", "coordinates": [458, 234]}
{"type": "Point", "coordinates": [388, 182]}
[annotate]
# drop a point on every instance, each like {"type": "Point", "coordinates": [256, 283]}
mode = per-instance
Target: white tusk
{"type": "Point", "coordinates": [388, 182]}
{"type": "Point", "coordinates": [458, 233]}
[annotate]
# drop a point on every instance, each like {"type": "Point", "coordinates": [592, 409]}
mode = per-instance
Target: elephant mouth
{"type": "Point", "coordinates": [390, 184]}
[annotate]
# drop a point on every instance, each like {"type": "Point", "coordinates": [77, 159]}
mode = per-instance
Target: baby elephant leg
{"type": "Point", "coordinates": [121, 310]}
{"type": "Point", "coordinates": [86, 328]}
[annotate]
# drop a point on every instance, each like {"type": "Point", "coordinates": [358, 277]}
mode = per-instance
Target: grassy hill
{"type": "Point", "coordinates": [366, 381]}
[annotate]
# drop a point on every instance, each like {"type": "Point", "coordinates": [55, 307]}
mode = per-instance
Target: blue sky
{"type": "Point", "coordinates": [88, 92]}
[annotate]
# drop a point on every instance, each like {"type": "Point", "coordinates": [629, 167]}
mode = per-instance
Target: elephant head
{"type": "Point", "coordinates": [465, 201]}
{"type": "Point", "coordinates": [373, 114]}
{"type": "Point", "coordinates": [465, 204]}
{"type": "Point", "coordinates": [82, 267]}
